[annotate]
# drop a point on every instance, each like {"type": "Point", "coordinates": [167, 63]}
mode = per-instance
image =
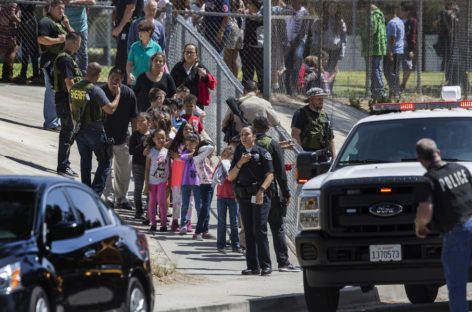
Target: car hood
{"type": "Point", "coordinates": [370, 171]}
{"type": "Point", "coordinates": [10, 251]}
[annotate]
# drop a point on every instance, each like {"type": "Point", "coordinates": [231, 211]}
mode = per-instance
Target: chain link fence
{"type": "Point", "coordinates": [101, 45]}
{"type": "Point", "coordinates": [334, 41]}
{"type": "Point", "coordinates": [326, 44]}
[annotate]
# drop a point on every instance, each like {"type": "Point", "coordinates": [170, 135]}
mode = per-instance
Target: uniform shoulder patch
{"type": "Point", "coordinates": [267, 156]}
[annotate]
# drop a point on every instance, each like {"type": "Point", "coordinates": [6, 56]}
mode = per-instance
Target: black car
{"type": "Point", "coordinates": [62, 249]}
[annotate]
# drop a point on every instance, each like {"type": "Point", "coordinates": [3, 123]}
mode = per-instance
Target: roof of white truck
{"type": "Point", "coordinates": [437, 113]}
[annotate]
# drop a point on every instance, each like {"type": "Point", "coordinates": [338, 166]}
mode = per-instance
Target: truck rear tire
{"type": "Point", "coordinates": [320, 299]}
{"type": "Point", "coordinates": [419, 294]}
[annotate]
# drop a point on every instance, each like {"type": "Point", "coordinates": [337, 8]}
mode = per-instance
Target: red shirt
{"type": "Point", "coordinates": [195, 121]}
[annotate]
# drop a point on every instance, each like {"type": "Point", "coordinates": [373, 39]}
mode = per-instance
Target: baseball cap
{"type": "Point", "coordinates": [315, 92]}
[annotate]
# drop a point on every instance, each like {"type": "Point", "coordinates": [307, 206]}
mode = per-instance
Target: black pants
{"type": "Point", "coordinates": [254, 218]}
{"type": "Point", "coordinates": [29, 47]}
{"type": "Point", "coordinates": [65, 136]}
{"type": "Point", "coordinates": [252, 62]}
{"type": "Point", "coordinates": [392, 73]}
{"type": "Point", "coordinates": [138, 176]}
{"type": "Point", "coordinates": [276, 223]}
{"type": "Point", "coordinates": [122, 50]}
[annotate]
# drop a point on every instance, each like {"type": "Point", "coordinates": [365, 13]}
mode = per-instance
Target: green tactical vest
{"type": "Point", "coordinates": [58, 47]}
{"type": "Point", "coordinates": [314, 136]}
{"type": "Point", "coordinates": [83, 108]}
{"type": "Point", "coordinates": [59, 84]}
{"type": "Point", "coordinates": [264, 141]}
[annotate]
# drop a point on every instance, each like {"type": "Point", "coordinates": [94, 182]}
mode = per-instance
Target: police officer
{"type": "Point", "coordinates": [88, 102]}
{"type": "Point", "coordinates": [252, 175]}
{"type": "Point", "coordinates": [278, 208]}
{"type": "Point", "coordinates": [310, 124]}
{"type": "Point", "coordinates": [66, 72]}
{"type": "Point", "coordinates": [446, 201]}
{"type": "Point", "coordinates": [52, 31]}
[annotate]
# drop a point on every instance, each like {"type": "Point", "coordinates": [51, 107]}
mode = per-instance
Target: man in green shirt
{"type": "Point", "coordinates": [374, 44]}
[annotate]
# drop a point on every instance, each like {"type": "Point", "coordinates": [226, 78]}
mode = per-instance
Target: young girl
{"type": "Point", "coordinates": [190, 180]}
{"type": "Point", "coordinates": [226, 201]}
{"type": "Point", "coordinates": [157, 174]}
{"type": "Point", "coordinates": [156, 98]}
{"type": "Point", "coordinates": [176, 148]}
{"type": "Point", "coordinates": [204, 166]}
{"type": "Point", "coordinates": [137, 143]}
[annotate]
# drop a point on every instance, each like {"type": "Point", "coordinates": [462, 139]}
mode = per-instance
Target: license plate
{"type": "Point", "coordinates": [385, 253]}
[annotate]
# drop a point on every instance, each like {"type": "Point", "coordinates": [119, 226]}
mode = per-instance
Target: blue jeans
{"type": "Point", "coordinates": [293, 62]}
{"type": "Point", "coordinates": [49, 108]}
{"type": "Point", "coordinates": [90, 140]}
{"type": "Point", "coordinates": [222, 206]}
{"type": "Point", "coordinates": [377, 87]}
{"type": "Point", "coordinates": [206, 194]}
{"type": "Point", "coordinates": [82, 55]}
{"type": "Point", "coordinates": [456, 256]}
{"type": "Point", "coordinates": [187, 190]}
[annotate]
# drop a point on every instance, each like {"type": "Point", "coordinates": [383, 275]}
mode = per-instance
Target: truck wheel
{"type": "Point", "coordinates": [320, 299]}
{"type": "Point", "coordinates": [418, 294]}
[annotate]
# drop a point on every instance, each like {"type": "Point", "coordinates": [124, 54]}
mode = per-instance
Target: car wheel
{"type": "Point", "coordinates": [136, 298]}
{"type": "Point", "coordinates": [39, 301]}
{"type": "Point", "coordinates": [322, 299]}
{"type": "Point", "coordinates": [418, 294]}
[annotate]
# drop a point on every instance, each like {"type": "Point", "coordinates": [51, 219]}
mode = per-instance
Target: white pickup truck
{"type": "Point", "coordinates": [356, 219]}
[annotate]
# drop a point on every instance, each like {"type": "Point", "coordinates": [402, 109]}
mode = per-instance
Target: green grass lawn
{"type": "Point", "coordinates": [348, 84]}
{"type": "Point", "coordinates": [352, 84]}
{"type": "Point", "coordinates": [29, 72]}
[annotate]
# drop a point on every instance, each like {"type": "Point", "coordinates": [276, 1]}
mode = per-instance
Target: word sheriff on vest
{"type": "Point", "coordinates": [453, 180]}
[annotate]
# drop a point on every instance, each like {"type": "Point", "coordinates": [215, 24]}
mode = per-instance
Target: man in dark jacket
{"type": "Point", "coordinates": [278, 207]}
{"type": "Point", "coordinates": [446, 200]}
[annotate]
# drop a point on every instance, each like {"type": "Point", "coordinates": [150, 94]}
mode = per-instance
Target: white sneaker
{"type": "Point", "coordinates": [197, 237]}
{"type": "Point", "coordinates": [183, 230]}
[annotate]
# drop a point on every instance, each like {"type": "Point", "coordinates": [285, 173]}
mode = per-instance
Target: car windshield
{"type": "Point", "coordinates": [394, 140]}
{"type": "Point", "coordinates": [16, 214]}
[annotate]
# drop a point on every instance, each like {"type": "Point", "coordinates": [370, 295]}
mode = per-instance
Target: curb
{"type": "Point", "coordinates": [350, 298]}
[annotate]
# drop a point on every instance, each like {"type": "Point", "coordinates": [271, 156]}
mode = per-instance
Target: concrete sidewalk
{"type": "Point", "coordinates": [208, 280]}
{"type": "Point", "coordinates": [205, 280]}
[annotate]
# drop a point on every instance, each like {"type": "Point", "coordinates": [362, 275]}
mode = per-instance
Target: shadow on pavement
{"type": "Point", "coordinates": [30, 164]}
{"type": "Point", "coordinates": [20, 123]}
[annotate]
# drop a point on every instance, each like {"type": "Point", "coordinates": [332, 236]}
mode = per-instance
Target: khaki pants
{"type": "Point", "coordinates": [118, 181]}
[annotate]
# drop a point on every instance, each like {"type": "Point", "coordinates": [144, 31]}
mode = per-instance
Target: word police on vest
{"type": "Point", "coordinates": [453, 180]}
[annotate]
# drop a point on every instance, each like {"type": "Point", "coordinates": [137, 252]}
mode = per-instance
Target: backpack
{"type": "Point", "coordinates": [315, 135]}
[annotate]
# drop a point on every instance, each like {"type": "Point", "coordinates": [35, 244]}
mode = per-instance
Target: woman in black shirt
{"type": "Point", "coordinates": [154, 78]}
{"type": "Point", "coordinates": [189, 71]}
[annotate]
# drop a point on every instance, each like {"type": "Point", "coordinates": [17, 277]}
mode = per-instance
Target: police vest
{"type": "Point", "coordinates": [317, 132]}
{"type": "Point", "coordinates": [264, 141]}
{"type": "Point", "coordinates": [58, 82]}
{"type": "Point", "coordinates": [83, 108]}
{"type": "Point", "coordinates": [58, 47]}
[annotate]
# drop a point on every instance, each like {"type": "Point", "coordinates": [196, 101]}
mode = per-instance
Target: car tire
{"type": "Point", "coordinates": [419, 294]}
{"type": "Point", "coordinates": [39, 301]}
{"type": "Point", "coordinates": [136, 300]}
{"type": "Point", "coordinates": [320, 299]}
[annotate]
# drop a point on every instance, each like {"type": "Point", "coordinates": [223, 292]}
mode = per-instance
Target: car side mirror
{"type": "Point", "coordinates": [66, 230]}
{"type": "Point", "coordinates": [311, 164]}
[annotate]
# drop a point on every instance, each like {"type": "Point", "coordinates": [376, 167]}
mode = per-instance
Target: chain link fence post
{"type": "Point", "coordinates": [419, 48]}
{"type": "Point", "coordinates": [267, 20]}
